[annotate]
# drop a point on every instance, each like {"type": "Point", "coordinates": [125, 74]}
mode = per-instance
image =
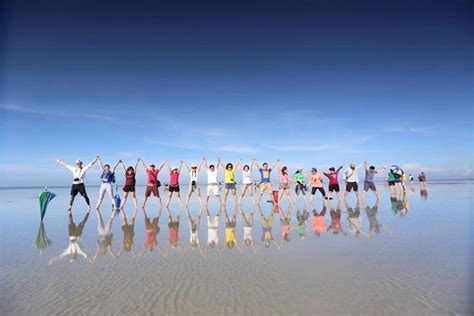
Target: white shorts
{"type": "Point", "coordinates": [213, 189]}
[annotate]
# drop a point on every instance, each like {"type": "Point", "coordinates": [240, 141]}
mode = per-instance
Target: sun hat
{"type": "Point", "coordinates": [78, 161]}
{"type": "Point", "coordinates": [353, 165]}
{"type": "Point", "coordinates": [194, 166]}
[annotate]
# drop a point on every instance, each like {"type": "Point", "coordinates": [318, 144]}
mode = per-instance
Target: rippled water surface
{"type": "Point", "coordinates": [407, 256]}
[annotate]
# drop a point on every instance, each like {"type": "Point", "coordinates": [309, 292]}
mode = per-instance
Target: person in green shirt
{"type": "Point", "coordinates": [300, 185]}
{"type": "Point", "coordinates": [391, 181]}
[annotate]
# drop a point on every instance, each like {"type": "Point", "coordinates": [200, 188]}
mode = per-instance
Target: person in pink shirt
{"type": "Point", "coordinates": [152, 183]}
{"type": "Point", "coordinates": [174, 184]}
{"type": "Point", "coordinates": [173, 226]}
{"type": "Point", "coordinates": [333, 182]}
{"type": "Point", "coordinates": [284, 185]}
{"type": "Point", "coordinates": [316, 179]}
{"type": "Point", "coordinates": [285, 221]}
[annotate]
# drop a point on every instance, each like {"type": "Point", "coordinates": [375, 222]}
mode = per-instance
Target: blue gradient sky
{"type": "Point", "coordinates": [312, 83]}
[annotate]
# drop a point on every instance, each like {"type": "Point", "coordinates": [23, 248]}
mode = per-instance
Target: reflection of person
{"type": "Point", "coordinates": [152, 229]}
{"type": "Point", "coordinates": [301, 218]}
{"type": "Point", "coordinates": [267, 222]}
{"type": "Point", "coordinates": [424, 193]}
{"type": "Point", "coordinates": [128, 230]}
{"type": "Point", "coordinates": [105, 237]}
{"type": "Point", "coordinates": [317, 221]}
{"type": "Point", "coordinates": [173, 226]}
{"type": "Point", "coordinates": [213, 229]}
{"type": "Point", "coordinates": [194, 229]}
{"type": "Point", "coordinates": [285, 222]}
{"type": "Point", "coordinates": [335, 218]}
{"type": "Point", "coordinates": [230, 222]}
{"type": "Point", "coordinates": [353, 219]}
{"type": "Point", "coordinates": [193, 182]}
{"type": "Point", "coordinates": [74, 247]}
{"type": "Point", "coordinates": [374, 226]}
{"type": "Point", "coordinates": [248, 226]}
{"type": "Point", "coordinates": [78, 173]}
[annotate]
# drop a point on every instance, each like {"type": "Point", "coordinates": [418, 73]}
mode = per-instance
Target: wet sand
{"type": "Point", "coordinates": [419, 263]}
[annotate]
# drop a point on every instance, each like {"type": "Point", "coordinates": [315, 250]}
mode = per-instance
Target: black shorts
{"type": "Point", "coordinates": [78, 188]}
{"type": "Point", "coordinates": [128, 188]}
{"type": "Point", "coordinates": [352, 185]}
{"type": "Point", "coordinates": [334, 187]}
{"type": "Point", "coordinates": [391, 183]}
{"type": "Point", "coordinates": [172, 188]}
{"type": "Point", "coordinates": [321, 189]}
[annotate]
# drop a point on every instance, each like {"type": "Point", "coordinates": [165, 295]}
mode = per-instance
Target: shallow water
{"type": "Point", "coordinates": [420, 261]}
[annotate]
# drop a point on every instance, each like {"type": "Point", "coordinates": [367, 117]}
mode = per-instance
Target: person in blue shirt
{"type": "Point", "coordinates": [265, 183]}
{"type": "Point", "coordinates": [107, 178]}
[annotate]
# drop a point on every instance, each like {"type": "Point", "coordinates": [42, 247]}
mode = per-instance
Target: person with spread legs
{"type": "Point", "coordinates": [247, 183]}
{"type": "Point", "coordinates": [352, 179]}
{"type": "Point", "coordinates": [267, 223]}
{"type": "Point", "coordinates": [317, 221]}
{"type": "Point", "coordinates": [248, 227]}
{"type": "Point", "coordinates": [335, 218]}
{"type": "Point", "coordinates": [213, 229]}
{"type": "Point", "coordinates": [152, 229]}
{"type": "Point", "coordinates": [174, 184]}
{"type": "Point", "coordinates": [78, 173]}
{"type": "Point", "coordinates": [333, 175]}
{"type": "Point", "coordinates": [300, 187]}
{"type": "Point", "coordinates": [230, 223]}
{"type": "Point", "coordinates": [391, 182]}
{"type": "Point", "coordinates": [152, 183]}
{"type": "Point", "coordinates": [129, 186]}
{"type": "Point", "coordinates": [107, 178]}
{"type": "Point", "coordinates": [173, 226]}
{"type": "Point", "coordinates": [353, 219]}
{"type": "Point", "coordinates": [316, 184]}
{"type": "Point", "coordinates": [212, 183]}
{"type": "Point", "coordinates": [128, 230]}
{"type": "Point", "coordinates": [265, 183]}
{"type": "Point", "coordinates": [193, 182]}
{"type": "Point", "coordinates": [105, 237]}
{"type": "Point", "coordinates": [369, 184]}
{"type": "Point", "coordinates": [229, 181]}
{"type": "Point", "coordinates": [285, 224]}
{"type": "Point", "coordinates": [284, 185]}
{"type": "Point", "coordinates": [194, 230]}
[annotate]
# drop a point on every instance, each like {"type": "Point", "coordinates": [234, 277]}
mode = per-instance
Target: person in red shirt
{"type": "Point", "coordinates": [129, 186]}
{"type": "Point", "coordinates": [174, 184]}
{"type": "Point", "coordinates": [333, 182]}
{"type": "Point", "coordinates": [152, 183]}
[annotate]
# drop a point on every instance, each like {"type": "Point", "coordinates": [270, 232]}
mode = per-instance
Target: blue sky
{"type": "Point", "coordinates": [312, 83]}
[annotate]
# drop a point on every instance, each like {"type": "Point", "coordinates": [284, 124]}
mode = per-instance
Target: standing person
{"type": "Point", "coordinates": [352, 180]}
{"type": "Point", "coordinates": [422, 180]}
{"type": "Point", "coordinates": [265, 183]}
{"type": "Point", "coordinates": [333, 175]}
{"type": "Point", "coordinates": [212, 183]}
{"type": "Point", "coordinates": [391, 182]}
{"type": "Point", "coordinates": [316, 184]}
{"type": "Point", "coordinates": [107, 178]}
{"type": "Point", "coordinates": [152, 183]}
{"type": "Point", "coordinates": [369, 183]}
{"type": "Point", "coordinates": [284, 185]}
{"type": "Point", "coordinates": [229, 181]}
{"type": "Point", "coordinates": [129, 186]}
{"type": "Point", "coordinates": [174, 184]}
{"type": "Point", "coordinates": [300, 184]}
{"type": "Point", "coordinates": [78, 173]}
{"type": "Point", "coordinates": [193, 182]}
{"type": "Point", "coordinates": [247, 183]}
{"type": "Point", "coordinates": [213, 229]}
{"type": "Point", "coordinates": [173, 226]}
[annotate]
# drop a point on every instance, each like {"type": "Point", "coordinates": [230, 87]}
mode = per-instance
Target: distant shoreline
{"type": "Point", "coordinates": [434, 181]}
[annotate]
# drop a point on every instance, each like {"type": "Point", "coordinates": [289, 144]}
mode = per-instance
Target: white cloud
{"type": "Point", "coordinates": [300, 148]}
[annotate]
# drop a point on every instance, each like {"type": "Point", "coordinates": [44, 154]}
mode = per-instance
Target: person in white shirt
{"type": "Point", "coordinates": [352, 180]}
{"type": "Point", "coordinates": [212, 183]}
{"type": "Point", "coordinates": [247, 183]}
{"type": "Point", "coordinates": [78, 173]}
{"type": "Point", "coordinates": [194, 229]}
{"type": "Point", "coordinates": [213, 229]}
{"type": "Point", "coordinates": [107, 178]}
{"type": "Point", "coordinates": [193, 182]}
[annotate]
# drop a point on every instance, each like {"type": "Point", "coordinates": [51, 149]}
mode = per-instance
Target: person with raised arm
{"type": "Point", "coordinates": [229, 181]}
{"type": "Point", "coordinates": [152, 230]}
{"type": "Point", "coordinates": [284, 184]}
{"type": "Point", "coordinates": [105, 237]}
{"type": "Point", "coordinates": [285, 224]}
{"type": "Point", "coordinates": [333, 175]}
{"type": "Point", "coordinates": [369, 183]}
{"type": "Point", "coordinates": [129, 186]}
{"type": "Point", "coordinates": [267, 223]}
{"type": "Point", "coordinates": [78, 173]}
{"type": "Point", "coordinates": [317, 221]}
{"type": "Point", "coordinates": [213, 229]}
{"type": "Point", "coordinates": [335, 226]}
{"type": "Point", "coordinates": [152, 183]}
{"type": "Point", "coordinates": [194, 229]}
{"type": "Point", "coordinates": [107, 178]}
{"type": "Point", "coordinates": [300, 187]}
{"type": "Point", "coordinates": [174, 184]}
{"type": "Point", "coordinates": [316, 179]}
{"type": "Point", "coordinates": [247, 183]}
{"type": "Point", "coordinates": [173, 226]}
{"type": "Point", "coordinates": [352, 179]}
{"type": "Point", "coordinates": [265, 183]}
{"type": "Point", "coordinates": [230, 223]}
{"type": "Point", "coordinates": [194, 171]}
{"type": "Point", "coordinates": [212, 183]}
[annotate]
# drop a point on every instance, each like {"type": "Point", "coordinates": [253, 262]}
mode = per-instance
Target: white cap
{"type": "Point", "coordinates": [78, 161]}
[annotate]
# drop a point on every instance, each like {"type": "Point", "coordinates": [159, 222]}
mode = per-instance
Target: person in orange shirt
{"type": "Point", "coordinates": [317, 221]}
{"type": "Point", "coordinates": [316, 179]}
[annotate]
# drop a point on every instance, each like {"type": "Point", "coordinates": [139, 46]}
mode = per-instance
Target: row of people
{"type": "Point", "coordinates": [299, 179]}
{"type": "Point", "coordinates": [303, 219]}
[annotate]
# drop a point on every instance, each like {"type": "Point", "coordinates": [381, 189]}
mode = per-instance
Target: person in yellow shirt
{"type": "Point", "coordinates": [229, 181]}
{"type": "Point", "coordinates": [230, 223]}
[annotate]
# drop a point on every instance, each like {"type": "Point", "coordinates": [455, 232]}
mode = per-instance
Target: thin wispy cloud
{"type": "Point", "coordinates": [204, 148]}
{"type": "Point", "coordinates": [300, 148]}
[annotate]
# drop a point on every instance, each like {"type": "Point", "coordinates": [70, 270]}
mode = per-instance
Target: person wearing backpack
{"type": "Point", "coordinates": [352, 180]}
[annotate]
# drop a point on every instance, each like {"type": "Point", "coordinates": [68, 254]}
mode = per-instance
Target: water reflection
{"type": "Point", "coordinates": [74, 247]}
{"type": "Point", "coordinates": [319, 224]}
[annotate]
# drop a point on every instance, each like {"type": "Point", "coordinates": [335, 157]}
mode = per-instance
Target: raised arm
{"type": "Point", "coordinates": [143, 163]}
{"type": "Point", "coordinates": [219, 163]}
{"type": "Point", "coordinates": [163, 164]}
{"type": "Point", "coordinates": [101, 165]}
{"type": "Point", "coordinates": [125, 168]}
{"type": "Point", "coordinates": [339, 169]}
{"type": "Point", "coordinates": [136, 165]}
{"type": "Point", "coordinates": [256, 163]}
{"type": "Point", "coordinates": [180, 166]}
{"type": "Point", "coordinates": [61, 162]}
{"type": "Point", "coordinates": [366, 166]}
{"type": "Point", "coordinates": [204, 162]}
{"type": "Point", "coordinates": [237, 163]}
{"type": "Point", "coordinates": [277, 162]}
{"type": "Point", "coordinates": [169, 167]}
{"type": "Point", "coordinates": [116, 164]}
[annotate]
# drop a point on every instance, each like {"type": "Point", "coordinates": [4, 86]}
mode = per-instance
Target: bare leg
{"type": "Point", "coordinates": [124, 199]}
{"type": "Point", "coordinates": [134, 197]}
